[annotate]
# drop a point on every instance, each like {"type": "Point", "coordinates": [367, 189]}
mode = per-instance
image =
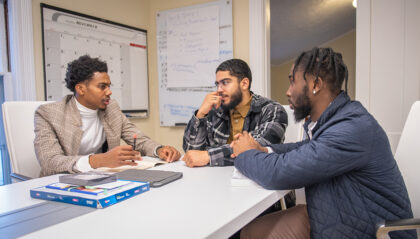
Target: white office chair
{"type": "Point", "coordinates": [294, 133]}
{"type": "Point", "coordinates": [407, 156]}
{"type": "Point", "coordinates": [18, 120]}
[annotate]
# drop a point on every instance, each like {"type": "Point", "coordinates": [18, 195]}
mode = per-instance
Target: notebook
{"type": "Point", "coordinates": [156, 178]}
{"type": "Point", "coordinates": [145, 163]}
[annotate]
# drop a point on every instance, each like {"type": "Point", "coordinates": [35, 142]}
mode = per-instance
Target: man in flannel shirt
{"type": "Point", "coordinates": [231, 109]}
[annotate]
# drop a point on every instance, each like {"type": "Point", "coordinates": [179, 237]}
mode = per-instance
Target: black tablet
{"type": "Point", "coordinates": [156, 178]}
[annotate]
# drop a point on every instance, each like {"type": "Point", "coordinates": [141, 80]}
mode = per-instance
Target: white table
{"type": "Point", "coordinates": [202, 204]}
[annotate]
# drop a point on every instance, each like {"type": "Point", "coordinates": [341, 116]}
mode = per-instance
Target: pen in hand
{"type": "Point", "coordinates": [134, 143]}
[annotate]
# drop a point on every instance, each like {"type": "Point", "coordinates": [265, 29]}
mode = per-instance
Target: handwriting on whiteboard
{"type": "Point", "coordinates": [192, 47]}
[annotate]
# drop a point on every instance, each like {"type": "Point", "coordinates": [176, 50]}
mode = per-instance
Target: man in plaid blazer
{"type": "Point", "coordinates": [83, 131]}
{"type": "Point", "coordinates": [231, 109]}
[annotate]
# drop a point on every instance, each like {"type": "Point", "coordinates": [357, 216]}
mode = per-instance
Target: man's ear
{"type": "Point", "coordinates": [244, 83]}
{"type": "Point", "coordinates": [318, 84]}
{"type": "Point", "coordinates": [80, 89]}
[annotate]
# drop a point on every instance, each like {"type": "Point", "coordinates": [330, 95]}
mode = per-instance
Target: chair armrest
{"type": "Point", "coordinates": [20, 177]}
{"type": "Point", "coordinates": [385, 227]}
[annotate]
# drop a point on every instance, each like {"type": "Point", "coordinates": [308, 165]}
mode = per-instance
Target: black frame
{"type": "Point", "coordinates": [43, 5]}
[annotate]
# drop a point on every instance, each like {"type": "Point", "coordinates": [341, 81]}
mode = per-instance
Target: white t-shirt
{"type": "Point", "coordinates": [311, 127]}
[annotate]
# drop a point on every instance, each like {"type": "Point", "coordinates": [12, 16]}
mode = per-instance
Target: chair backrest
{"type": "Point", "coordinates": [407, 156]}
{"type": "Point", "coordinates": [18, 120]}
{"type": "Point", "coordinates": [294, 131]}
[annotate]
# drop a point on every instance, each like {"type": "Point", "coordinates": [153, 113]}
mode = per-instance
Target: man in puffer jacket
{"type": "Point", "coordinates": [351, 178]}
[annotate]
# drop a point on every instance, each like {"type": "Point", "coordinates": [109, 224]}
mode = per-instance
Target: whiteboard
{"type": "Point", "coordinates": [68, 35]}
{"type": "Point", "coordinates": [180, 97]}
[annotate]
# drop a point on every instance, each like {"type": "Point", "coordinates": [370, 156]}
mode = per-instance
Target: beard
{"type": "Point", "coordinates": [235, 99]}
{"type": "Point", "coordinates": [302, 106]}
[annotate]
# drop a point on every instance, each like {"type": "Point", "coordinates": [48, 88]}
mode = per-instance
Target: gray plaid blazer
{"type": "Point", "coordinates": [58, 134]}
{"type": "Point", "coordinates": [266, 120]}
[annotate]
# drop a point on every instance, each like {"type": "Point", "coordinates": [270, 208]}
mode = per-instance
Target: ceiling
{"type": "Point", "coordinates": [298, 25]}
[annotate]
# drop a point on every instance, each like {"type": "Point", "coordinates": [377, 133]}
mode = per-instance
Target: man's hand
{"type": "Point", "coordinates": [196, 158]}
{"type": "Point", "coordinates": [118, 156]}
{"type": "Point", "coordinates": [168, 153]}
{"type": "Point", "coordinates": [212, 99]}
{"type": "Point", "coordinates": [243, 142]}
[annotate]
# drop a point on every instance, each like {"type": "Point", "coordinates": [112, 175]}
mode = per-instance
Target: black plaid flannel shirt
{"type": "Point", "coordinates": [266, 121]}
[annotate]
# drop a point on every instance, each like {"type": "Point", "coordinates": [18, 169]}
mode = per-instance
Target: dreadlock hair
{"type": "Point", "coordinates": [324, 63]}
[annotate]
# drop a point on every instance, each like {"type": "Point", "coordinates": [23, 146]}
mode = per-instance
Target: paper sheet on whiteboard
{"type": "Point", "coordinates": [177, 104]}
{"type": "Point", "coordinates": [193, 47]}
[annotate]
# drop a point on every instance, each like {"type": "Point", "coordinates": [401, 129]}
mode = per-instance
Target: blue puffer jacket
{"type": "Point", "coordinates": [351, 179]}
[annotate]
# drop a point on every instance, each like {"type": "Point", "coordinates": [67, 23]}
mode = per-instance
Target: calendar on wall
{"type": "Point", "coordinates": [68, 35]}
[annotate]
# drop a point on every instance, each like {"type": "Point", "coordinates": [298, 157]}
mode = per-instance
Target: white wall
{"type": "Point", "coordinates": [388, 61]}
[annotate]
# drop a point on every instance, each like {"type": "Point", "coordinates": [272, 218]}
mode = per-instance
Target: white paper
{"type": "Point", "coordinates": [145, 163]}
{"type": "Point", "coordinates": [193, 47]}
{"type": "Point", "coordinates": [240, 180]}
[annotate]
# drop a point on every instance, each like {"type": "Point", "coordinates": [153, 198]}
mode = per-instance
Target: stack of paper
{"type": "Point", "coordinates": [240, 180]}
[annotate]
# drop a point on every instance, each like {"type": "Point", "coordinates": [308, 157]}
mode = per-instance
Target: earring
{"type": "Point", "coordinates": [314, 91]}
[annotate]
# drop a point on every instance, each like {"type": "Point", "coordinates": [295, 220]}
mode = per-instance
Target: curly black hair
{"type": "Point", "coordinates": [237, 68]}
{"type": "Point", "coordinates": [83, 69]}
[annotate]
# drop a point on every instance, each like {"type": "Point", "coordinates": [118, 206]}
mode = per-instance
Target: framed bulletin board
{"type": "Point", "coordinates": [66, 35]}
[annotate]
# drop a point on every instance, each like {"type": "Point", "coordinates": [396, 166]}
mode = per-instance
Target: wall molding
{"type": "Point", "coordinates": [3, 44]}
{"type": "Point", "coordinates": [21, 49]}
{"type": "Point", "coordinates": [259, 46]}
{"type": "Point", "coordinates": [387, 61]}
